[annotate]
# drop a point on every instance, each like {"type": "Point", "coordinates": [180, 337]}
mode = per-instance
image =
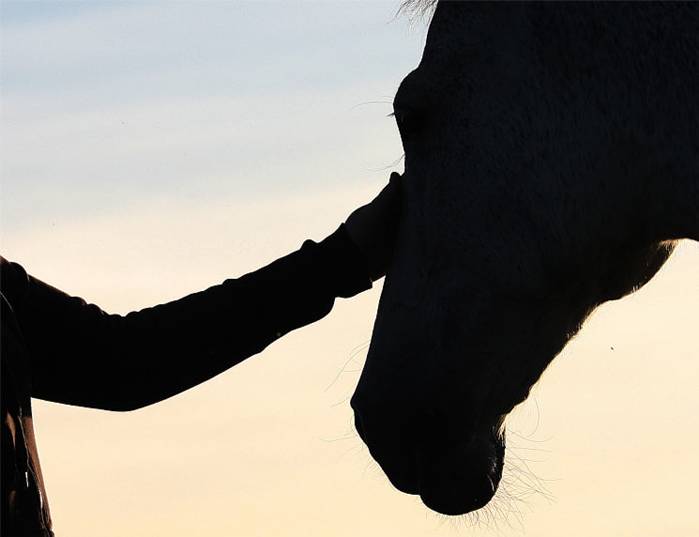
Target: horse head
{"type": "Point", "coordinates": [550, 161]}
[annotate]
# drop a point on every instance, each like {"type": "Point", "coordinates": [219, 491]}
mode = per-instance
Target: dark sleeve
{"type": "Point", "coordinates": [84, 356]}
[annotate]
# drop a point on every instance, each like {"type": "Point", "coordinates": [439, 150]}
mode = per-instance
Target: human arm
{"type": "Point", "coordinates": [84, 356]}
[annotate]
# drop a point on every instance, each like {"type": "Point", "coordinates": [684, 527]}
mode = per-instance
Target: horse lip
{"type": "Point", "coordinates": [405, 484]}
{"type": "Point", "coordinates": [401, 480]}
{"type": "Point", "coordinates": [453, 505]}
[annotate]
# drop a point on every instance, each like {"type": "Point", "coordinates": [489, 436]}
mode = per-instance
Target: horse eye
{"type": "Point", "coordinates": [408, 122]}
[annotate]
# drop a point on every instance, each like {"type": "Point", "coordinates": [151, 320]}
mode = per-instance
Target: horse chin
{"type": "Point", "coordinates": [455, 480]}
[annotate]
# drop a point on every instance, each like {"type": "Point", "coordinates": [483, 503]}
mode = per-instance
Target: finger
{"type": "Point", "coordinates": [389, 194]}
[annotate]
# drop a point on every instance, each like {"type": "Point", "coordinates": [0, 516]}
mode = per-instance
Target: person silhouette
{"type": "Point", "coordinates": [59, 348]}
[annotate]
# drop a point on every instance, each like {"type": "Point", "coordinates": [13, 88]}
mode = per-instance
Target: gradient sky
{"type": "Point", "coordinates": [150, 150]}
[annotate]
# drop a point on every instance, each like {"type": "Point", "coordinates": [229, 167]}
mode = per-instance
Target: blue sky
{"type": "Point", "coordinates": [109, 105]}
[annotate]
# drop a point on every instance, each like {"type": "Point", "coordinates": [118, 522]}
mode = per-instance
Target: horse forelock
{"type": "Point", "coordinates": [418, 7]}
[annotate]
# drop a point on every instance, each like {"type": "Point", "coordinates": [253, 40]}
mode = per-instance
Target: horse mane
{"type": "Point", "coordinates": [418, 8]}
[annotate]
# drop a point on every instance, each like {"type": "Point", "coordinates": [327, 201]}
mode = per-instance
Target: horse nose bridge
{"type": "Point", "coordinates": [399, 343]}
{"type": "Point", "coordinates": [406, 287]}
{"type": "Point", "coordinates": [393, 376]}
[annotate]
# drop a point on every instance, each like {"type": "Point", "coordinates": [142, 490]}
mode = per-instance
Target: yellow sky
{"type": "Point", "coordinates": [264, 449]}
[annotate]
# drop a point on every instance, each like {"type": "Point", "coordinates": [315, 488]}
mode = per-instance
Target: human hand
{"type": "Point", "coordinates": [372, 227]}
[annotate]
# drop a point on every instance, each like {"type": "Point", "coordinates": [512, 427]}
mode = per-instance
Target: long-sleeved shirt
{"type": "Point", "coordinates": [59, 348]}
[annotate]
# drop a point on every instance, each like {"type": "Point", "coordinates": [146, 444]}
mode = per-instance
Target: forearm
{"type": "Point", "coordinates": [86, 357]}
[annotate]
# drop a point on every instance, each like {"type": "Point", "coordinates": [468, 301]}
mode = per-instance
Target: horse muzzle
{"type": "Point", "coordinates": [452, 474]}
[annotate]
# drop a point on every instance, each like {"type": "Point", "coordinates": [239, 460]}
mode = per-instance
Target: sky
{"type": "Point", "coordinates": [150, 150]}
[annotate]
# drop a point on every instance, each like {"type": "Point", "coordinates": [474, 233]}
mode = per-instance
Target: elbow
{"type": "Point", "coordinates": [129, 389]}
{"type": "Point", "coordinates": [131, 402]}
{"type": "Point", "coordinates": [125, 406]}
{"type": "Point", "coordinates": [126, 400]}
{"type": "Point", "coordinates": [112, 404]}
